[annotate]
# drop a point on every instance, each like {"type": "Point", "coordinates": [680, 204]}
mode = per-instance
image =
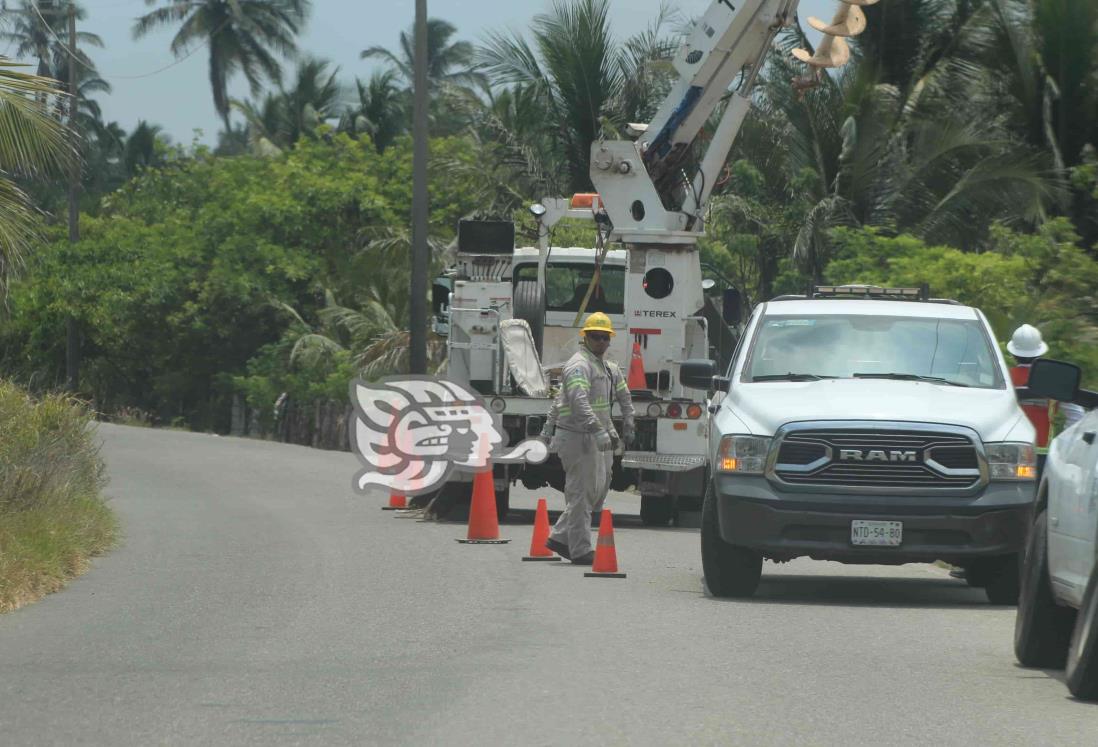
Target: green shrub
{"type": "Point", "coordinates": [52, 518]}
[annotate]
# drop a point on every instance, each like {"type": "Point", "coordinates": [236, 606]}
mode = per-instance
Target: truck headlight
{"type": "Point", "coordinates": [1011, 461]}
{"type": "Point", "coordinates": [743, 454]}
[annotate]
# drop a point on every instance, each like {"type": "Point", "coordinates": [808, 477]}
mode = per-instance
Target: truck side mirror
{"type": "Point", "coordinates": [731, 306]}
{"type": "Point", "coordinates": [1054, 380]}
{"type": "Point", "coordinates": [697, 373]}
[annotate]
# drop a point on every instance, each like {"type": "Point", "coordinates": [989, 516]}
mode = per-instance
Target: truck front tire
{"type": "Point", "coordinates": [1082, 658]}
{"type": "Point", "coordinates": [730, 570]}
{"type": "Point", "coordinates": [1042, 628]}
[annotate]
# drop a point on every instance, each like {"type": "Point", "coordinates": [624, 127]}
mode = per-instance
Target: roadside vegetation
{"type": "Point", "coordinates": [958, 148]}
{"type": "Point", "coordinates": [52, 517]}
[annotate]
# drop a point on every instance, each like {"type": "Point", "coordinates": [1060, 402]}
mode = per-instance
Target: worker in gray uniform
{"type": "Point", "coordinates": [585, 438]}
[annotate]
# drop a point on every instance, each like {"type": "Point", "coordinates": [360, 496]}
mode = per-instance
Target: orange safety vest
{"type": "Point", "coordinates": [1037, 409]}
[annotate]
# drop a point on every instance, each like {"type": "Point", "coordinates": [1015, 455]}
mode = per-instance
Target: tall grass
{"type": "Point", "coordinates": [52, 517]}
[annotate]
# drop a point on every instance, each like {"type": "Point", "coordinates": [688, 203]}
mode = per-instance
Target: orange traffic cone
{"type": "Point", "coordinates": [606, 557]}
{"type": "Point", "coordinates": [636, 369]}
{"type": "Point", "coordinates": [397, 502]}
{"type": "Point", "coordinates": [538, 550]}
{"type": "Point", "coordinates": [483, 522]}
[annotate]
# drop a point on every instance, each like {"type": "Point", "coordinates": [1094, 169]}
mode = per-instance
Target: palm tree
{"type": "Point", "coordinates": [920, 158]}
{"type": "Point", "coordinates": [104, 155]}
{"type": "Point", "coordinates": [582, 78]}
{"type": "Point", "coordinates": [32, 32]}
{"type": "Point", "coordinates": [447, 62]}
{"type": "Point", "coordinates": [32, 143]}
{"type": "Point", "coordinates": [381, 110]}
{"type": "Point", "coordinates": [233, 141]}
{"type": "Point", "coordinates": [1067, 31]}
{"type": "Point", "coordinates": [143, 148]}
{"type": "Point", "coordinates": [280, 119]}
{"type": "Point", "coordinates": [1042, 61]}
{"type": "Point", "coordinates": [265, 123]}
{"type": "Point", "coordinates": [88, 83]}
{"type": "Point", "coordinates": [313, 98]}
{"type": "Point", "coordinates": [244, 36]}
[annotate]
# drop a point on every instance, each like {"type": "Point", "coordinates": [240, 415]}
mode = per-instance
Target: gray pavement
{"type": "Point", "coordinates": [256, 599]}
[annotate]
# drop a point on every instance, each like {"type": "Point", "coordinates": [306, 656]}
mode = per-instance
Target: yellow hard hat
{"type": "Point", "coordinates": [598, 322]}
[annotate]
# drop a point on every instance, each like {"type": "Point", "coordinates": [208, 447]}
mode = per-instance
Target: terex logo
{"type": "Point", "coordinates": [877, 455]}
{"type": "Point", "coordinates": [658, 314]}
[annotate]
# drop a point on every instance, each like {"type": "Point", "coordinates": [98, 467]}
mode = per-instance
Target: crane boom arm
{"type": "Point", "coordinates": [644, 185]}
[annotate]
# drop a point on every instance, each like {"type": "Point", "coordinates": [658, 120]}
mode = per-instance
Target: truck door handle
{"type": "Point", "coordinates": [1089, 437]}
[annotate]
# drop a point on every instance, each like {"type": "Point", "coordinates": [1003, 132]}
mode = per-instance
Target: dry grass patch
{"type": "Point", "coordinates": [52, 517]}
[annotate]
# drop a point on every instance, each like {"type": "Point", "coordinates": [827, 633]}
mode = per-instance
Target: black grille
{"type": "Point", "coordinates": [955, 457]}
{"type": "Point", "coordinates": [800, 452]}
{"type": "Point", "coordinates": [878, 458]}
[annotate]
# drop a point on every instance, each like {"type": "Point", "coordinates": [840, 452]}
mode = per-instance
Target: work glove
{"type": "Point", "coordinates": [628, 434]}
{"type": "Point", "coordinates": [603, 441]}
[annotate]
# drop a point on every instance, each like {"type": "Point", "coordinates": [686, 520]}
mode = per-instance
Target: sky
{"type": "Point", "coordinates": [148, 83]}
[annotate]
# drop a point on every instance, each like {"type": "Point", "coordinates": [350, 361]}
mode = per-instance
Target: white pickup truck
{"type": "Point", "coordinates": [867, 425]}
{"type": "Point", "coordinates": [1057, 622]}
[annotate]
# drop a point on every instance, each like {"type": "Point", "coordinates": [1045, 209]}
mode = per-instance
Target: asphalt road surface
{"type": "Point", "coordinates": [256, 599]}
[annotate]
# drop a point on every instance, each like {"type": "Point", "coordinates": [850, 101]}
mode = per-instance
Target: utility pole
{"type": "Point", "coordinates": [417, 311]}
{"type": "Point", "coordinates": [72, 329]}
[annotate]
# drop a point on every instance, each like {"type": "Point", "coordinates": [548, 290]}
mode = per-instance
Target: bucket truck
{"type": "Point", "coordinates": [645, 271]}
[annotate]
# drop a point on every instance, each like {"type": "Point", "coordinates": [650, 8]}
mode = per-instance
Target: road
{"type": "Point", "coordinates": [256, 599]}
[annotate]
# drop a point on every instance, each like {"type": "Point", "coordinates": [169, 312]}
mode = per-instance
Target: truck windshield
{"type": "Point", "coordinates": [566, 284]}
{"type": "Point", "coordinates": [803, 348]}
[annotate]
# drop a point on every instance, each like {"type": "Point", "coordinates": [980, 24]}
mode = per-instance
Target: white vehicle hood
{"type": "Point", "coordinates": [764, 407]}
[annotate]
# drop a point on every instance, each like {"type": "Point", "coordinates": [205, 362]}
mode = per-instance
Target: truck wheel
{"type": "Point", "coordinates": [1042, 628]}
{"type": "Point", "coordinates": [1002, 585]}
{"type": "Point", "coordinates": [1082, 658]}
{"type": "Point", "coordinates": [657, 511]}
{"type": "Point", "coordinates": [530, 307]}
{"type": "Point", "coordinates": [730, 570]}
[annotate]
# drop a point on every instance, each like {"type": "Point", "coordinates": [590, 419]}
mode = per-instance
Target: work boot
{"type": "Point", "coordinates": [588, 559]}
{"type": "Point", "coordinates": [559, 548]}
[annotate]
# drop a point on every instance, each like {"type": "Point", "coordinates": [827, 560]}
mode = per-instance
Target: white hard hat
{"type": "Point", "coordinates": [1027, 343]}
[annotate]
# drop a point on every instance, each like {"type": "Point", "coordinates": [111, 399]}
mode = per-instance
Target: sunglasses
{"type": "Point", "coordinates": [598, 336]}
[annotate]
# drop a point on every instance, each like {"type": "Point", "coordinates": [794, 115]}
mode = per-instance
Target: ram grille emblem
{"type": "Point", "coordinates": [877, 455]}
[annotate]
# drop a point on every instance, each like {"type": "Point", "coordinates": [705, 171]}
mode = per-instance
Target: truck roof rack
{"type": "Point", "coordinates": [862, 291]}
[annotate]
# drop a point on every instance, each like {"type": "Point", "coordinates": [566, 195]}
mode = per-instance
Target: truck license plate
{"type": "Point", "coordinates": [887, 533]}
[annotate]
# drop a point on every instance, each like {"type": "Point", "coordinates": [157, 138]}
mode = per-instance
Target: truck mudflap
{"type": "Point", "coordinates": [648, 460]}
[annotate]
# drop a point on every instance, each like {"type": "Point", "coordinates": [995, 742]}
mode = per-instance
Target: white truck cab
{"type": "Point", "coordinates": [867, 425]}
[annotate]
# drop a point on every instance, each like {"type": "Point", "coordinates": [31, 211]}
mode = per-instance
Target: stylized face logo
{"type": "Point", "coordinates": [411, 432]}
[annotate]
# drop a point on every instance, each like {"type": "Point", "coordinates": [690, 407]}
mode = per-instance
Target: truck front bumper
{"type": "Point", "coordinates": [784, 526]}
